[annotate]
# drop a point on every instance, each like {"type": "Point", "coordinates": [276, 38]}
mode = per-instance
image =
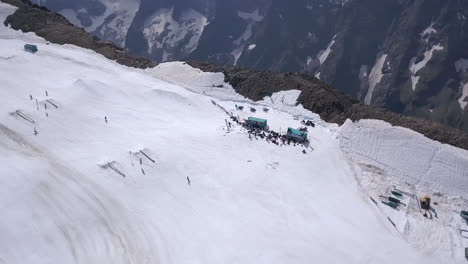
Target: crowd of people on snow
{"type": "Point", "coordinates": [268, 135]}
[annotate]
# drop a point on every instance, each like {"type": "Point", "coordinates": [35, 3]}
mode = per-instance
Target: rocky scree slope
{"type": "Point", "coordinates": [330, 104]}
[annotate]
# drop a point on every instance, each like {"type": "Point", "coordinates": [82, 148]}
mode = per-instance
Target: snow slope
{"type": "Point", "coordinates": [249, 201]}
{"type": "Point", "coordinates": [393, 157]}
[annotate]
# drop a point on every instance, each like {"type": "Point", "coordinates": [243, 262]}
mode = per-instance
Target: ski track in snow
{"type": "Point", "coordinates": [248, 202]}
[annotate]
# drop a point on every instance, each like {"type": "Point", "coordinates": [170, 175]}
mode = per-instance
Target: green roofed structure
{"type": "Point", "coordinates": [296, 135]}
{"type": "Point", "coordinates": [257, 122]}
{"type": "Point", "coordinates": [30, 48]}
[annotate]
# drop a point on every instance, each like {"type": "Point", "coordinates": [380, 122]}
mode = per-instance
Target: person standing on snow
{"type": "Point", "coordinates": [188, 180]}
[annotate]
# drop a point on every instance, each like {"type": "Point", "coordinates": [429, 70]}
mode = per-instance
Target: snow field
{"type": "Point", "coordinates": [248, 202]}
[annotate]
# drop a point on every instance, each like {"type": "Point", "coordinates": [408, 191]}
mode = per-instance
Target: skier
{"type": "Point", "coordinates": [188, 180]}
{"type": "Point", "coordinates": [46, 93]}
{"type": "Point", "coordinates": [30, 96]}
{"type": "Point", "coordinates": [105, 119]}
{"type": "Point", "coordinates": [35, 132]}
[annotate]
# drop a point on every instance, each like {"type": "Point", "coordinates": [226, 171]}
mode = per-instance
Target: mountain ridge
{"type": "Point", "coordinates": [402, 55]}
{"type": "Point", "coordinates": [330, 104]}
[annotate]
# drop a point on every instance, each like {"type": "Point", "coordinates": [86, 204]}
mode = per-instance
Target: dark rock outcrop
{"type": "Point", "coordinates": [55, 28]}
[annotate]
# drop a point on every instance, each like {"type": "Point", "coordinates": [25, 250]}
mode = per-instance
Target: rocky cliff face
{"type": "Point", "coordinates": [408, 56]}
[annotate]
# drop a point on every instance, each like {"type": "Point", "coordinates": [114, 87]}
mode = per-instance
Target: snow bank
{"type": "Point", "coordinates": [288, 98]}
{"type": "Point", "coordinates": [406, 154]}
{"type": "Point", "coordinates": [207, 83]}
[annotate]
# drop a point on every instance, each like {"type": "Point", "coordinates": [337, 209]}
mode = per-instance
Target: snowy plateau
{"type": "Point", "coordinates": [85, 188]}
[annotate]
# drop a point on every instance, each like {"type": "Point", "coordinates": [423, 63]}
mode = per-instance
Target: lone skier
{"type": "Point", "coordinates": [188, 180]}
{"type": "Point", "coordinates": [105, 119]}
{"type": "Point", "coordinates": [35, 132]}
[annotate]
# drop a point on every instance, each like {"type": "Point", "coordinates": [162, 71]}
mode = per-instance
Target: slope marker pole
{"type": "Point", "coordinates": [148, 157]}
{"type": "Point", "coordinates": [115, 169]}
{"type": "Point", "coordinates": [54, 105]}
{"type": "Point", "coordinates": [25, 117]}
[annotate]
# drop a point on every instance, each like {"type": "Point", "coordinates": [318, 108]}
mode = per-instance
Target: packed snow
{"type": "Point", "coordinates": [288, 98]}
{"type": "Point", "coordinates": [375, 76]}
{"type": "Point", "coordinates": [323, 54]}
{"type": "Point", "coordinates": [211, 195]}
{"type": "Point", "coordinates": [393, 158]}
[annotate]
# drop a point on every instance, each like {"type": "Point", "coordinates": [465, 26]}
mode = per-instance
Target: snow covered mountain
{"type": "Point", "coordinates": [406, 56]}
{"type": "Point", "coordinates": [85, 189]}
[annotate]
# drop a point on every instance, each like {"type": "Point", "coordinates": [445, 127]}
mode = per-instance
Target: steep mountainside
{"type": "Point", "coordinates": [330, 104]}
{"type": "Point", "coordinates": [408, 56]}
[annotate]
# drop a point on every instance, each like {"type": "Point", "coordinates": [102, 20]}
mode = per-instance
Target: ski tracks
{"type": "Point", "coordinates": [95, 227]}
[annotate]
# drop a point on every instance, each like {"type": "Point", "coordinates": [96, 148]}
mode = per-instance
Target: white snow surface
{"type": "Point", "coordinates": [288, 98]}
{"type": "Point", "coordinates": [248, 202]}
{"type": "Point", "coordinates": [408, 154]}
{"type": "Point", "coordinates": [375, 76]}
{"type": "Point", "coordinates": [393, 157]}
